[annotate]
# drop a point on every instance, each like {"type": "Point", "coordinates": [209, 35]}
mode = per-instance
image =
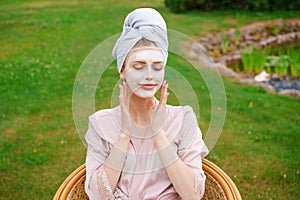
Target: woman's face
{"type": "Point", "coordinates": [144, 71]}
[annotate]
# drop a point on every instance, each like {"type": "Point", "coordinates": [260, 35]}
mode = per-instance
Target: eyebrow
{"type": "Point", "coordinates": [143, 62]}
{"type": "Point", "coordinates": [158, 62]}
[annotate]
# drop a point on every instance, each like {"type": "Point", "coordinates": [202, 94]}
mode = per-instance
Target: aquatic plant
{"type": "Point", "coordinates": [225, 41]}
{"type": "Point", "coordinates": [259, 59]}
{"type": "Point", "coordinates": [247, 62]}
{"type": "Point", "coordinates": [254, 61]}
{"type": "Point", "coordinates": [282, 65]}
{"type": "Point", "coordinates": [237, 35]}
{"type": "Point", "coordinates": [294, 56]}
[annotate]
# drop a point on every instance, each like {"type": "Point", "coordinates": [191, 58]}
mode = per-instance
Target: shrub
{"type": "Point", "coordinates": [256, 5]}
{"type": "Point", "coordinates": [183, 5]}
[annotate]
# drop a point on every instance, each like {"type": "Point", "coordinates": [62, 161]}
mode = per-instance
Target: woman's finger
{"type": "Point", "coordinates": [125, 93]}
{"type": "Point", "coordinates": [164, 94]}
{"type": "Point", "coordinates": [163, 90]}
{"type": "Point", "coordinates": [122, 96]}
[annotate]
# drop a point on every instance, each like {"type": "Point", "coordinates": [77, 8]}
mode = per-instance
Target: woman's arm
{"type": "Point", "coordinates": [115, 161]}
{"type": "Point", "coordinates": [102, 169]}
{"type": "Point", "coordinates": [104, 164]}
{"type": "Point", "coordinates": [181, 175]}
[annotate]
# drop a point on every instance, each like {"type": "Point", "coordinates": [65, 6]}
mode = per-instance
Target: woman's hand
{"type": "Point", "coordinates": [158, 116]}
{"type": "Point", "coordinates": [126, 122]}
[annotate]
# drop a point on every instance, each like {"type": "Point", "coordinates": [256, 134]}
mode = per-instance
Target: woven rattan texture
{"type": "Point", "coordinates": [213, 190]}
{"type": "Point", "coordinates": [77, 192]}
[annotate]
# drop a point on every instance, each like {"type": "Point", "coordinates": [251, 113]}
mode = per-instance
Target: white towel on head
{"type": "Point", "coordinates": [141, 23]}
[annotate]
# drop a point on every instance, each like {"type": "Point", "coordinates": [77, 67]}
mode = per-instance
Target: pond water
{"type": "Point", "coordinates": [285, 84]}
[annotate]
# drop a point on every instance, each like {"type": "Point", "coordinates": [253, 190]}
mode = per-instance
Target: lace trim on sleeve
{"type": "Point", "coordinates": [103, 185]}
{"type": "Point", "coordinates": [105, 189]}
{"type": "Point", "coordinates": [119, 195]}
{"type": "Point", "coordinates": [199, 184]}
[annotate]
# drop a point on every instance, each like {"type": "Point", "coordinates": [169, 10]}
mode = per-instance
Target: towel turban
{"type": "Point", "coordinates": [141, 23]}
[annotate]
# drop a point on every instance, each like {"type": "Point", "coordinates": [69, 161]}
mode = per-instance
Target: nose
{"type": "Point", "coordinates": [149, 73]}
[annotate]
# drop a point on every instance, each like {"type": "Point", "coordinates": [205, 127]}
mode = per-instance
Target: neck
{"type": "Point", "coordinates": [139, 109]}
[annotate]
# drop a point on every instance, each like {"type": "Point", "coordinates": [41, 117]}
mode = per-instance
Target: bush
{"type": "Point", "coordinates": [183, 5]}
{"type": "Point", "coordinates": [256, 5]}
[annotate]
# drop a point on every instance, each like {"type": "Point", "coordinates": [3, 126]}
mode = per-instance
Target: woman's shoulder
{"type": "Point", "coordinates": [105, 124]}
{"type": "Point", "coordinates": [103, 113]}
{"type": "Point", "coordinates": [177, 117]}
{"type": "Point", "coordinates": [182, 110]}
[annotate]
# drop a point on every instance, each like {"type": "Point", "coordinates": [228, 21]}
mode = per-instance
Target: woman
{"type": "Point", "coordinates": [144, 149]}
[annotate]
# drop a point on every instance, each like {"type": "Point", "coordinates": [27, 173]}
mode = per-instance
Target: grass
{"type": "Point", "coordinates": [42, 47]}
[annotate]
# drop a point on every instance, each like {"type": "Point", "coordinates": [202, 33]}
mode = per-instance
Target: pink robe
{"type": "Point", "coordinates": [143, 176]}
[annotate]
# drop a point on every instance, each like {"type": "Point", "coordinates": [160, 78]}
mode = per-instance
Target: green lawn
{"type": "Point", "coordinates": [42, 45]}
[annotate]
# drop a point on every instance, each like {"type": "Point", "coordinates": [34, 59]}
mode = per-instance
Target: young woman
{"type": "Point", "coordinates": [144, 148]}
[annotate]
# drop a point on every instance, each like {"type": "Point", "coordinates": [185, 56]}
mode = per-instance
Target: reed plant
{"type": "Point", "coordinates": [294, 60]}
{"type": "Point", "coordinates": [225, 42]}
{"type": "Point", "coordinates": [282, 65]}
{"type": "Point", "coordinates": [254, 61]}
{"type": "Point", "coordinates": [259, 59]}
{"type": "Point", "coordinates": [287, 62]}
{"type": "Point", "coordinates": [276, 30]}
{"type": "Point", "coordinates": [237, 35]}
{"type": "Point", "coordinates": [247, 61]}
{"type": "Point", "coordinates": [270, 63]}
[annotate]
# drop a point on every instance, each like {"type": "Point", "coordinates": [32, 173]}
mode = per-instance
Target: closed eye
{"type": "Point", "coordinates": [138, 65]}
{"type": "Point", "coordinates": [158, 66]}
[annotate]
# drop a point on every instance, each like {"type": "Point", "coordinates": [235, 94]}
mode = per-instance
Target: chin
{"type": "Point", "coordinates": [145, 94]}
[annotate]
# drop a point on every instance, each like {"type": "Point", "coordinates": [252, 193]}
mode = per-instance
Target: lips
{"type": "Point", "coordinates": [148, 86]}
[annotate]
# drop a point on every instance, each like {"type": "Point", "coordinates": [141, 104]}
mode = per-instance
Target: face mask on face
{"type": "Point", "coordinates": [144, 71]}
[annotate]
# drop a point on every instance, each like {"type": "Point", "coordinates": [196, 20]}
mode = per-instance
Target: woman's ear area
{"type": "Point", "coordinates": [122, 74]}
{"type": "Point", "coordinates": [121, 77]}
{"type": "Point", "coordinates": [122, 71]}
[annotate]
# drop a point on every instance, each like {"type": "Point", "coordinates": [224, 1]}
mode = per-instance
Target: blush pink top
{"type": "Point", "coordinates": [143, 175]}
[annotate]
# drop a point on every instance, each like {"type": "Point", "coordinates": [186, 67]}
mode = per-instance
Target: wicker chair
{"type": "Point", "coordinates": [218, 185]}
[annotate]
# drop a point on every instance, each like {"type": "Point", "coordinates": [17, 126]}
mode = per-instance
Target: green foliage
{"type": "Point", "coordinates": [259, 58]}
{"type": "Point", "coordinates": [276, 30]}
{"type": "Point", "coordinates": [281, 66]}
{"type": "Point", "coordinates": [247, 61]}
{"type": "Point", "coordinates": [257, 5]}
{"type": "Point", "coordinates": [294, 57]}
{"type": "Point", "coordinates": [237, 35]}
{"type": "Point", "coordinates": [183, 5]}
{"type": "Point", "coordinates": [287, 61]}
{"type": "Point", "coordinates": [225, 41]}
{"type": "Point", "coordinates": [176, 5]}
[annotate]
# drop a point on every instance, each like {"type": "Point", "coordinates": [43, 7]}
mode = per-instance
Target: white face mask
{"type": "Point", "coordinates": [144, 71]}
